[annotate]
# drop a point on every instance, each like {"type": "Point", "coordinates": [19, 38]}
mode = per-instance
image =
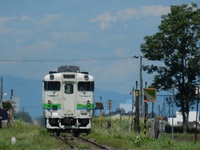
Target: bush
{"type": "Point", "coordinates": [179, 129]}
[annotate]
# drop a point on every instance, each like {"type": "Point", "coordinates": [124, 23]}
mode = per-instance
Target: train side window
{"type": "Point", "coordinates": [69, 89]}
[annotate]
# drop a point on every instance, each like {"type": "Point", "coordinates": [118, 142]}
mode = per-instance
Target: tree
{"type": "Point", "coordinates": [121, 110]}
{"type": "Point", "coordinates": [24, 116]}
{"type": "Point", "coordinates": [176, 45]}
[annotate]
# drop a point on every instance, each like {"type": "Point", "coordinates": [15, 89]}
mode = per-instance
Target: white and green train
{"type": "Point", "coordinates": [68, 100]}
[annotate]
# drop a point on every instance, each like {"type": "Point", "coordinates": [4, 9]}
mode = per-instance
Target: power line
{"type": "Point", "coordinates": [64, 60]}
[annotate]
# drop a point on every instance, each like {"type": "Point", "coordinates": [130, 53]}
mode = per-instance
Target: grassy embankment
{"type": "Point", "coordinates": [118, 137]}
{"type": "Point", "coordinates": [28, 137]}
{"type": "Point", "coordinates": [34, 137]}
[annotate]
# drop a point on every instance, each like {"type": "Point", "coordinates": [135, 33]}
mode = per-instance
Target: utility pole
{"type": "Point", "coordinates": [141, 84]}
{"type": "Point", "coordinates": [141, 87]}
{"type": "Point", "coordinates": [133, 104]}
{"type": "Point", "coordinates": [137, 111]}
{"type": "Point", "coordinates": [109, 108]}
{"type": "Point", "coordinates": [197, 112]}
{"type": "Point", "coordinates": [173, 86]}
{"type": "Point", "coordinates": [145, 115]}
{"type": "Point", "coordinates": [1, 94]}
{"type": "Point", "coordinates": [11, 111]}
{"type": "Point", "coordinates": [100, 117]}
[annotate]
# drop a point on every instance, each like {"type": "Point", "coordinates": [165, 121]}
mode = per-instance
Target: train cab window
{"type": "Point", "coordinates": [69, 89]}
{"type": "Point", "coordinates": [85, 86]}
{"type": "Point", "coordinates": [51, 85]}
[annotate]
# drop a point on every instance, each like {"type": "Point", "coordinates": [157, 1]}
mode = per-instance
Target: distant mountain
{"type": "Point", "coordinates": [116, 98]}
{"type": "Point", "coordinates": [29, 92]}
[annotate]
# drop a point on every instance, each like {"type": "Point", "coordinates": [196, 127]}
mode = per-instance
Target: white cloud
{"type": "Point", "coordinates": [34, 50]}
{"type": "Point", "coordinates": [126, 14]}
{"type": "Point", "coordinates": [24, 17]}
{"type": "Point", "coordinates": [106, 19]}
{"type": "Point", "coordinates": [3, 29]}
{"type": "Point", "coordinates": [3, 20]}
{"type": "Point", "coordinates": [156, 10]}
{"type": "Point", "coordinates": [48, 19]}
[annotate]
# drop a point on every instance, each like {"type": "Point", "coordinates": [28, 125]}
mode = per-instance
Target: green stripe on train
{"type": "Point", "coordinates": [48, 106]}
{"type": "Point", "coordinates": [85, 106]}
{"type": "Point", "coordinates": [78, 106]}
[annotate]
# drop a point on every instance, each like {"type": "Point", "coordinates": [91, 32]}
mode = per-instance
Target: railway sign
{"type": "Point", "coordinates": [99, 105]}
{"type": "Point", "coordinates": [149, 94]}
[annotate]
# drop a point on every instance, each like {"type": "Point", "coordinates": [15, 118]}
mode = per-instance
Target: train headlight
{"type": "Point", "coordinates": [86, 77]}
{"type": "Point", "coordinates": [51, 77]}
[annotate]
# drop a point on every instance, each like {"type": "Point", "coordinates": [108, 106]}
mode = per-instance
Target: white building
{"type": "Point", "coordinates": [126, 107]}
{"type": "Point", "coordinates": [179, 118]}
{"type": "Point", "coordinates": [15, 104]}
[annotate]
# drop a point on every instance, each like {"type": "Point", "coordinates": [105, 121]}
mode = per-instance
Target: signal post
{"type": "Point", "coordinates": [137, 113]}
{"type": "Point", "coordinates": [149, 96]}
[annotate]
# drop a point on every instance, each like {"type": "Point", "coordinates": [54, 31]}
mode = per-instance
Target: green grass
{"type": "Point", "coordinates": [120, 138]}
{"type": "Point", "coordinates": [27, 137]}
{"type": "Point", "coordinates": [34, 137]}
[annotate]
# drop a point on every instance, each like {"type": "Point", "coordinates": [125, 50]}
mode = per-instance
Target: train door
{"type": "Point", "coordinates": [69, 98]}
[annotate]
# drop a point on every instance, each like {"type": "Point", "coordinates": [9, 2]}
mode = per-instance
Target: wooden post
{"type": "Point", "coordinates": [145, 118]}
{"type": "Point", "coordinates": [137, 112]}
{"type": "Point", "coordinates": [11, 113]}
{"type": "Point", "coordinates": [100, 117]}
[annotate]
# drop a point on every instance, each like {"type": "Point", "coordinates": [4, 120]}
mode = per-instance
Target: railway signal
{"type": "Point", "coordinates": [99, 105]}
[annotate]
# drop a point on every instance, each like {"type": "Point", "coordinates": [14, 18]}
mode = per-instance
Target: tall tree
{"type": "Point", "coordinates": [176, 45]}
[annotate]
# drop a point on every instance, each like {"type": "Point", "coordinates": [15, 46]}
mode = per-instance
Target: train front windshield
{"type": "Point", "coordinates": [51, 85]}
{"type": "Point", "coordinates": [55, 86]}
{"type": "Point", "coordinates": [85, 86]}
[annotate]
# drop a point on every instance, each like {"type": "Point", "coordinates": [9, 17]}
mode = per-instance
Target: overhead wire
{"type": "Point", "coordinates": [64, 60]}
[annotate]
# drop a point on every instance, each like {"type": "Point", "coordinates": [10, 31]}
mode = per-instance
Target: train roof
{"type": "Point", "coordinates": [68, 76]}
{"type": "Point", "coordinates": [67, 72]}
{"type": "Point", "coordinates": [68, 69]}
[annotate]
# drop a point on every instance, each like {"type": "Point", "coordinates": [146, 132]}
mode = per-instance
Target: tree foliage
{"type": "Point", "coordinates": [24, 116]}
{"type": "Point", "coordinates": [176, 45]}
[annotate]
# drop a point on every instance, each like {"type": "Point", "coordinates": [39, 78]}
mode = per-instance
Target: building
{"type": "Point", "coordinates": [178, 120]}
{"type": "Point", "coordinates": [127, 106]}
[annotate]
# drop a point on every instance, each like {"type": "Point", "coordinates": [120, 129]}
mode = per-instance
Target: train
{"type": "Point", "coordinates": [68, 100]}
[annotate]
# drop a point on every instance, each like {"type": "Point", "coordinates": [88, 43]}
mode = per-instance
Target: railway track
{"type": "Point", "coordinates": [100, 146]}
{"type": "Point", "coordinates": [81, 142]}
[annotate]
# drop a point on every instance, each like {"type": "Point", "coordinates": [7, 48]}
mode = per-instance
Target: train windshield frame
{"type": "Point", "coordinates": [52, 85]}
{"type": "Point", "coordinates": [85, 86]}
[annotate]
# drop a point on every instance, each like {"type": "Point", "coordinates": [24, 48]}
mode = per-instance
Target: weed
{"type": "Point", "coordinates": [137, 141]}
{"type": "Point", "coordinates": [43, 132]}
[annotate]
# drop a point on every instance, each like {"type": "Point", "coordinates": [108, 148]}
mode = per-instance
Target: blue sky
{"type": "Point", "coordinates": [99, 36]}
